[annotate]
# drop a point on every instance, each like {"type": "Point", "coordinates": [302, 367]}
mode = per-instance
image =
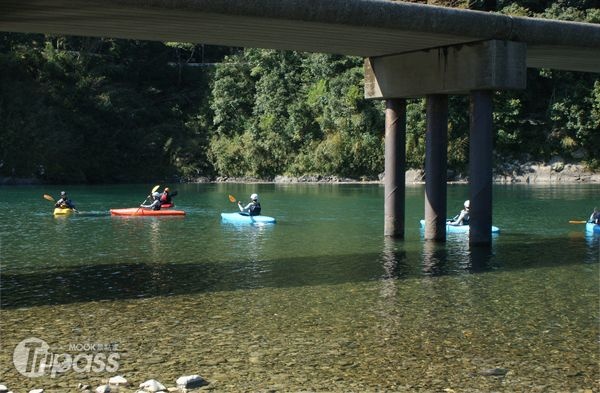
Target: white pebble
{"type": "Point", "coordinates": [189, 381]}
{"type": "Point", "coordinates": [152, 385]}
{"type": "Point", "coordinates": [117, 380]}
{"type": "Point", "coordinates": [103, 389]}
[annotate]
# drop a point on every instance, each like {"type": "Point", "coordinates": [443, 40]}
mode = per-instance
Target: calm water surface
{"type": "Point", "coordinates": [317, 302]}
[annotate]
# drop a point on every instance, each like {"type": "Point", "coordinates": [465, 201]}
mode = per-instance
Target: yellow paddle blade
{"type": "Point", "coordinates": [577, 222]}
{"type": "Point", "coordinates": [48, 198]}
{"type": "Point", "coordinates": [156, 187]}
{"type": "Point", "coordinates": [231, 198]}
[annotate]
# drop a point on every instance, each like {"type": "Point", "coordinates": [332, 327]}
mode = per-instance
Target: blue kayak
{"type": "Point", "coordinates": [592, 228]}
{"type": "Point", "coordinates": [458, 228]}
{"type": "Point", "coordinates": [238, 218]}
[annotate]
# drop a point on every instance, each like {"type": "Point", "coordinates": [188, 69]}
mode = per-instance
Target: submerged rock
{"type": "Point", "coordinates": [496, 371]}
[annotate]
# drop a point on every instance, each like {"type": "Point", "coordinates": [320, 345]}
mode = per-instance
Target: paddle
{"type": "Point", "coordinates": [51, 199]}
{"type": "Point", "coordinates": [577, 222]}
{"type": "Point", "coordinates": [232, 198]}
{"type": "Point", "coordinates": [156, 187]}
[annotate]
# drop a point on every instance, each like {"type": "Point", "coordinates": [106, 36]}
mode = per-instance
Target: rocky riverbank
{"type": "Point", "coordinates": [556, 172]}
{"type": "Point", "coordinates": [119, 384]}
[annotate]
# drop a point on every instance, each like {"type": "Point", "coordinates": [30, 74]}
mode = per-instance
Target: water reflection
{"type": "Point", "coordinates": [394, 259]}
{"type": "Point", "coordinates": [593, 243]}
{"type": "Point", "coordinates": [394, 264]}
{"type": "Point", "coordinates": [480, 259]}
{"type": "Point", "coordinates": [435, 258]}
{"type": "Point", "coordinates": [247, 267]}
{"type": "Point", "coordinates": [455, 256]}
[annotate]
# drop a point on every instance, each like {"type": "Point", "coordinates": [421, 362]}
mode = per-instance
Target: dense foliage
{"type": "Point", "coordinates": [105, 110]}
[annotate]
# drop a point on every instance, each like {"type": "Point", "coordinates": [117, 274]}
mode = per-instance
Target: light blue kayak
{"type": "Point", "coordinates": [592, 228]}
{"type": "Point", "coordinates": [237, 218]}
{"type": "Point", "coordinates": [458, 228]}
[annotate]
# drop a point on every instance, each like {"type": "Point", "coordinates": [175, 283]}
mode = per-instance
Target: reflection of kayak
{"type": "Point", "coordinates": [59, 211]}
{"type": "Point", "coordinates": [134, 211]}
{"type": "Point", "coordinates": [592, 228]}
{"type": "Point", "coordinates": [238, 218]}
{"type": "Point", "coordinates": [458, 228]}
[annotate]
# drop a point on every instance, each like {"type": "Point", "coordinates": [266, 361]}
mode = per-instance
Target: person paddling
{"type": "Point", "coordinates": [155, 205]}
{"type": "Point", "coordinates": [253, 208]}
{"type": "Point", "coordinates": [463, 217]}
{"type": "Point", "coordinates": [64, 202]}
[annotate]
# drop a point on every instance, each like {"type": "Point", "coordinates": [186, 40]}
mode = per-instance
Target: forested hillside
{"type": "Point", "coordinates": [106, 110]}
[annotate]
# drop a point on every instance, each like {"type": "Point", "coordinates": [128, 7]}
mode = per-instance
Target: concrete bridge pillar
{"type": "Point", "coordinates": [395, 167]}
{"type": "Point", "coordinates": [480, 167]}
{"type": "Point", "coordinates": [436, 147]}
{"type": "Point", "coordinates": [477, 69]}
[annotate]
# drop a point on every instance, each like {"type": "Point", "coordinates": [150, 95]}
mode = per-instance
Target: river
{"type": "Point", "coordinates": [319, 301]}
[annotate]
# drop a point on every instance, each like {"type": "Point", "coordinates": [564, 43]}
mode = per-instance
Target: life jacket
{"type": "Point", "coordinates": [466, 219]}
{"type": "Point", "coordinates": [255, 209]}
{"type": "Point", "coordinates": [64, 203]}
{"type": "Point", "coordinates": [165, 198]}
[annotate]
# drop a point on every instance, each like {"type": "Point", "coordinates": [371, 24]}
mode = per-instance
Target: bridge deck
{"type": "Point", "coordinates": [352, 27]}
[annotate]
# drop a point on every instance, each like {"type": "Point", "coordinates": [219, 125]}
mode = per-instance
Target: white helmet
{"type": "Point", "coordinates": [254, 197]}
{"type": "Point", "coordinates": [156, 194]}
{"type": "Point", "coordinates": [467, 204]}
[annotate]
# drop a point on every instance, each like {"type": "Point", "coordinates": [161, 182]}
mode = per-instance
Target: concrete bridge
{"type": "Point", "coordinates": [410, 50]}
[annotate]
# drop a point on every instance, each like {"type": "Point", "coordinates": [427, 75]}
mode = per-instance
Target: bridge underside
{"type": "Point", "coordinates": [351, 27]}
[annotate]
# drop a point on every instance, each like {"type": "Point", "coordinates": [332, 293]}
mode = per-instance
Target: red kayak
{"type": "Point", "coordinates": [135, 211]}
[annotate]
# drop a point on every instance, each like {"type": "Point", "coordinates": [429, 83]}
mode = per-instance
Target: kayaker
{"type": "Point", "coordinates": [64, 202]}
{"type": "Point", "coordinates": [463, 217]}
{"type": "Point", "coordinates": [155, 205]}
{"type": "Point", "coordinates": [166, 198]}
{"type": "Point", "coordinates": [595, 217]}
{"type": "Point", "coordinates": [252, 208]}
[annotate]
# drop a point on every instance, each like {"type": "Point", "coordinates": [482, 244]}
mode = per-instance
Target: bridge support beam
{"type": "Point", "coordinates": [480, 167]}
{"type": "Point", "coordinates": [436, 147]}
{"type": "Point", "coordinates": [395, 167]}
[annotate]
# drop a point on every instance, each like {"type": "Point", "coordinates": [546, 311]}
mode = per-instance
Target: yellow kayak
{"type": "Point", "coordinates": [59, 211]}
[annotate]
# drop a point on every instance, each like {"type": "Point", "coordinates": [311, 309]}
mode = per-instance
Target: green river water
{"type": "Point", "coordinates": [319, 301]}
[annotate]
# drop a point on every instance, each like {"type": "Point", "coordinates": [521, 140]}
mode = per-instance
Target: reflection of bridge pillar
{"type": "Point", "coordinates": [436, 147]}
{"type": "Point", "coordinates": [480, 168]}
{"type": "Point", "coordinates": [395, 167]}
